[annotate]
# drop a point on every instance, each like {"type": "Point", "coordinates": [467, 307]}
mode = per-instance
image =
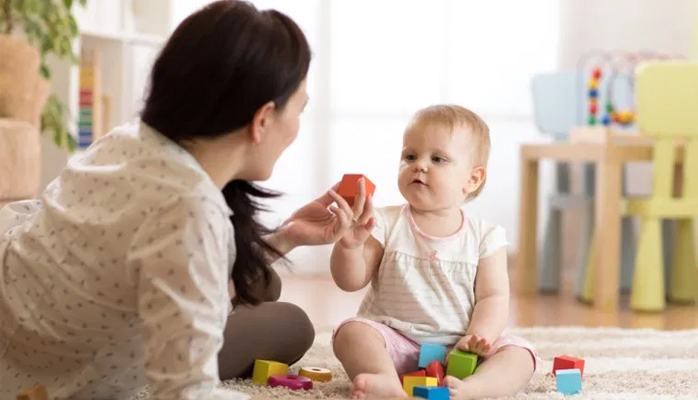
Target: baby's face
{"type": "Point", "coordinates": [435, 167]}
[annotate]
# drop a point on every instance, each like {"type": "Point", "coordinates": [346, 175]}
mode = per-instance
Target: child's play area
{"type": "Point", "coordinates": [330, 199]}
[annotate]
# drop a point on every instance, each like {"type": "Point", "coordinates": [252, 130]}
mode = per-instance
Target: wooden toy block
{"type": "Point", "coordinates": [348, 187]}
{"type": "Point", "coordinates": [37, 392]}
{"type": "Point", "coordinates": [569, 381]}
{"type": "Point", "coordinates": [412, 382]}
{"type": "Point", "coordinates": [461, 364]}
{"type": "Point", "coordinates": [436, 370]}
{"type": "Point", "coordinates": [567, 362]}
{"type": "Point", "coordinates": [316, 374]}
{"type": "Point", "coordinates": [263, 369]}
{"type": "Point", "coordinates": [432, 393]}
{"type": "Point", "coordinates": [293, 382]}
{"type": "Point", "coordinates": [421, 372]}
{"type": "Point", "coordinates": [431, 352]}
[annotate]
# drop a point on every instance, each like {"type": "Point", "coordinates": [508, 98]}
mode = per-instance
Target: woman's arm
{"type": "Point", "coordinates": [491, 311]}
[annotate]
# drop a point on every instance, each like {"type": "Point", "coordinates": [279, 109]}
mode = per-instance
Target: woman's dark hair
{"type": "Point", "coordinates": [219, 66]}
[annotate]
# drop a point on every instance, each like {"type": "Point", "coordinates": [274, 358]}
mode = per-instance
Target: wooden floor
{"type": "Point", "coordinates": [327, 306]}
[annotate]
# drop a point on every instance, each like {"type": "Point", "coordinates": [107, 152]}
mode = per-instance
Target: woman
{"type": "Point", "coordinates": [119, 276]}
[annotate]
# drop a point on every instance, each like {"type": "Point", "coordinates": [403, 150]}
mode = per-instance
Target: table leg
{"type": "Point", "coordinates": [526, 273]}
{"type": "Point", "coordinates": [608, 223]}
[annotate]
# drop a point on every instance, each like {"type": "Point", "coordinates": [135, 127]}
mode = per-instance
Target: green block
{"type": "Point", "coordinates": [461, 364]}
{"type": "Point", "coordinates": [592, 120]}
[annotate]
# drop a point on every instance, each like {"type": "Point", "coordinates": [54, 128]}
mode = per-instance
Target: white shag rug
{"type": "Point", "coordinates": [620, 364]}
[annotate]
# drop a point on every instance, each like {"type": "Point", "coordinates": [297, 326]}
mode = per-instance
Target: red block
{"type": "Point", "coordinates": [421, 372]}
{"type": "Point", "coordinates": [436, 370]}
{"type": "Point", "coordinates": [348, 188]}
{"type": "Point", "coordinates": [567, 362]}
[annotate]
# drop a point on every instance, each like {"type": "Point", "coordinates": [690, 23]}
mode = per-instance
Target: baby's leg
{"type": "Point", "coordinates": [500, 375]}
{"type": "Point", "coordinates": [363, 352]}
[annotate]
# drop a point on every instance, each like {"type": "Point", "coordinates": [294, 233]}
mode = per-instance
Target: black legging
{"type": "Point", "coordinates": [270, 331]}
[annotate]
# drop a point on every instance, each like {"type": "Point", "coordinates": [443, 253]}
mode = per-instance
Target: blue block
{"type": "Point", "coordinates": [569, 381]}
{"type": "Point", "coordinates": [431, 392]}
{"type": "Point", "coordinates": [431, 352]}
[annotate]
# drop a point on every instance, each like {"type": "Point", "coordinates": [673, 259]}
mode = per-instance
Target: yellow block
{"type": "Point", "coordinates": [316, 374]}
{"type": "Point", "coordinates": [263, 369]}
{"type": "Point", "coordinates": [410, 382]}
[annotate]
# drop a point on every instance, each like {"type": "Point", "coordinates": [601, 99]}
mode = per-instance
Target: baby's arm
{"type": "Point", "coordinates": [491, 311]}
{"type": "Point", "coordinates": [354, 267]}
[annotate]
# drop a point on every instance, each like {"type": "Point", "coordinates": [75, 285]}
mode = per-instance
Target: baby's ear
{"type": "Point", "coordinates": [475, 179]}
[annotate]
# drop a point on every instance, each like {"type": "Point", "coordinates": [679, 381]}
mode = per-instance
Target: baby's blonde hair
{"type": "Point", "coordinates": [455, 117]}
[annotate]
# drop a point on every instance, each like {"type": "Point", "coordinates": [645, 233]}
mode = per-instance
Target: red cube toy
{"type": "Point", "coordinates": [348, 187]}
{"type": "Point", "coordinates": [567, 362]}
{"type": "Point", "coordinates": [436, 370]}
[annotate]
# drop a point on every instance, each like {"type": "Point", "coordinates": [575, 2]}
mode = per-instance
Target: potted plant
{"type": "Point", "coordinates": [30, 32]}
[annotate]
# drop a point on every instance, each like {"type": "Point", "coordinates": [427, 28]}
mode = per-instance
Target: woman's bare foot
{"type": "Point", "coordinates": [372, 386]}
{"type": "Point", "coordinates": [459, 390]}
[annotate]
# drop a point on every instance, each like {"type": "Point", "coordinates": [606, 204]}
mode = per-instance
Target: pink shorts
{"type": "Point", "coordinates": [405, 351]}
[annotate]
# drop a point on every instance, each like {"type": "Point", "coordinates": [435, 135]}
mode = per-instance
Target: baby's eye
{"type": "Point", "coordinates": [437, 159]}
{"type": "Point", "coordinates": [410, 157]}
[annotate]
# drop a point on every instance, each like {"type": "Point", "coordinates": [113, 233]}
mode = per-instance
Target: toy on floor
{"type": "Point", "coordinates": [431, 352]}
{"type": "Point", "coordinates": [432, 393]}
{"type": "Point", "coordinates": [347, 188]}
{"type": "Point", "coordinates": [37, 392]}
{"type": "Point", "coordinates": [316, 374]}
{"type": "Point", "coordinates": [567, 362]}
{"type": "Point", "coordinates": [293, 382]}
{"type": "Point", "coordinates": [411, 382]}
{"type": "Point", "coordinates": [264, 369]}
{"type": "Point", "coordinates": [276, 374]}
{"type": "Point", "coordinates": [461, 363]}
{"type": "Point", "coordinates": [569, 381]}
{"type": "Point", "coordinates": [433, 369]}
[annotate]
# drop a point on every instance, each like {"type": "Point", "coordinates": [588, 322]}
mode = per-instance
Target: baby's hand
{"type": "Point", "coordinates": [474, 344]}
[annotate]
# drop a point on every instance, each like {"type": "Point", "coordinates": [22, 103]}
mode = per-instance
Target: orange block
{"type": "Point", "coordinates": [348, 188]}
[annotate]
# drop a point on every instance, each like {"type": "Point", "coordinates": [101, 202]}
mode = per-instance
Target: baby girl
{"type": "Point", "coordinates": [437, 274]}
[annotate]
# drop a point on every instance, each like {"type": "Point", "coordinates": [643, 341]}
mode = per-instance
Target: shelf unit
{"type": "Point", "coordinates": [127, 35]}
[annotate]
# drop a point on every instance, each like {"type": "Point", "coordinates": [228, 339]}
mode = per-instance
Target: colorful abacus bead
{"type": "Point", "coordinates": [596, 73]}
{"type": "Point", "coordinates": [606, 120]}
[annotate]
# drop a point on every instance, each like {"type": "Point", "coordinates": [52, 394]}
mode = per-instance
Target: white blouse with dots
{"type": "Point", "coordinates": [118, 276]}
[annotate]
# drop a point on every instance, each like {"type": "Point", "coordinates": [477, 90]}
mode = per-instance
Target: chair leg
{"type": "Point", "coordinates": [646, 294]}
{"type": "Point", "coordinates": [549, 275]}
{"type": "Point", "coordinates": [584, 282]}
{"type": "Point", "coordinates": [682, 288]}
{"type": "Point", "coordinates": [627, 256]}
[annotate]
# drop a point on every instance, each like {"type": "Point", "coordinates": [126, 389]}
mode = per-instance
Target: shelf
{"type": "Point", "coordinates": [124, 37]}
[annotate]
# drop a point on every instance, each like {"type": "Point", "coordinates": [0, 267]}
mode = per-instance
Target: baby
{"type": "Point", "coordinates": [437, 275]}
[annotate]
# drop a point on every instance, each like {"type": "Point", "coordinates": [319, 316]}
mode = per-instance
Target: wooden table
{"type": "Point", "coordinates": [609, 158]}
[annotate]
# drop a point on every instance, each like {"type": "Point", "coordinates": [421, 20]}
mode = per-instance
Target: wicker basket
{"type": "Point", "coordinates": [23, 91]}
{"type": "Point", "coordinates": [20, 155]}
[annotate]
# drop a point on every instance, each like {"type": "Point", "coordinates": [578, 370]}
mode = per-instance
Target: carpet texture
{"type": "Point", "coordinates": [620, 364]}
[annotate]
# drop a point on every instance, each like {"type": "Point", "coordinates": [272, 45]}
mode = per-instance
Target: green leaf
{"type": "Point", "coordinates": [73, 25]}
{"type": "Point", "coordinates": [68, 3]}
{"type": "Point", "coordinates": [45, 72]}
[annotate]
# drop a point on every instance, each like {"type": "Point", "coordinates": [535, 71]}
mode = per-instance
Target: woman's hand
{"type": "Point", "coordinates": [321, 222]}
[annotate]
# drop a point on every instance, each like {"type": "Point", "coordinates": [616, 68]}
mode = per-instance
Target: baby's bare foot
{"type": "Point", "coordinates": [458, 389]}
{"type": "Point", "coordinates": [373, 386]}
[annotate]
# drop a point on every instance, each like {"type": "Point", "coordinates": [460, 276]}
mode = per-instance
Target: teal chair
{"type": "Point", "coordinates": [560, 102]}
